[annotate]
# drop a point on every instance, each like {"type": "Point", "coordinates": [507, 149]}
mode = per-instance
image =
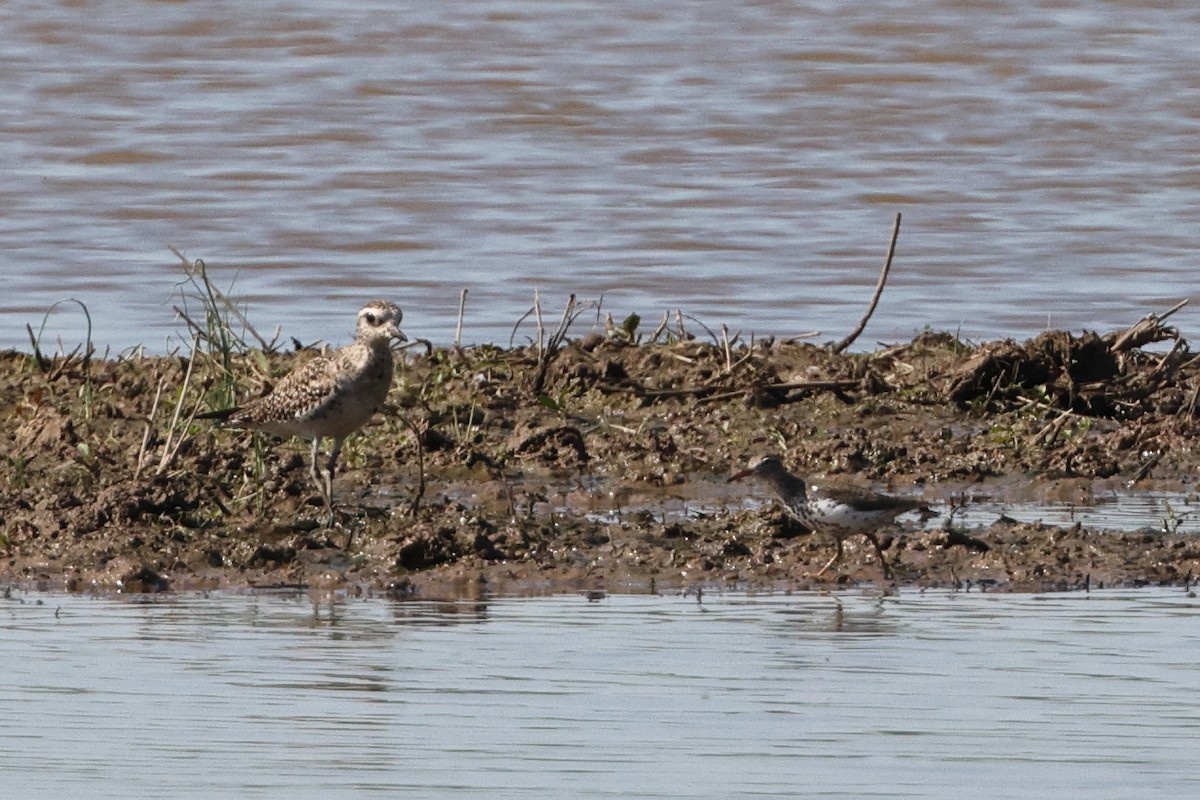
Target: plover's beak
{"type": "Point", "coordinates": [397, 334]}
{"type": "Point", "coordinates": [737, 476]}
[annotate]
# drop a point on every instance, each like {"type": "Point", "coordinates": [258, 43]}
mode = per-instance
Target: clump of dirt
{"type": "Point", "coordinates": [608, 476]}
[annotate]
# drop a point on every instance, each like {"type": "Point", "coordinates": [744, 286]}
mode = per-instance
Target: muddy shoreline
{"type": "Point", "coordinates": [598, 464]}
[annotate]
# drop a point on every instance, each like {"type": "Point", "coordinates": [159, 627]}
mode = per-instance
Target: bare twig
{"type": "Point", "coordinates": [1173, 309]}
{"type": "Point", "coordinates": [1147, 330]}
{"type": "Point", "coordinates": [462, 306]}
{"type": "Point", "coordinates": [552, 344]}
{"type": "Point", "coordinates": [717, 391]}
{"type": "Point", "coordinates": [1052, 429]}
{"type": "Point", "coordinates": [1171, 357]}
{"type": "Point", "coordinates": [1190, 407]}
{"type": "Point", "coordinates": [141, 459]}
{"type": "Point", "coordinates": [883, 276]}
{"type": "Point", "coordinates": [725, 345]}
{"type": "Point", "coordinates": [707, 329]}
{"type": "Point", "coordinates": [1145, 468]}
{"type": "Point", "coordinates": [170, 452]}
{"type": "Point", "coordinates": [541, 331]}
{"type": "Point", "coordinates": [662, 326]}
{"type": "Point", "coordinates": [512, 337]}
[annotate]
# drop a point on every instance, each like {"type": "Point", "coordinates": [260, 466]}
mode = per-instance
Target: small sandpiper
{"type": "Point", "coordinates": [331, 395]}
{"type": "Point", "coordinates": [837, 509]}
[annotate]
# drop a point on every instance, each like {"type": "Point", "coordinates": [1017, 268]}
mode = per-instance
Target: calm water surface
{"type": "Point", "coordinates": [741, 161]}
{"type": "Point", "coordinates": [934, 695]}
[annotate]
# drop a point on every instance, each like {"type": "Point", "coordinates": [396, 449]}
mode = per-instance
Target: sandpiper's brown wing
{"type": "Point", "coordinates": [864, 499]}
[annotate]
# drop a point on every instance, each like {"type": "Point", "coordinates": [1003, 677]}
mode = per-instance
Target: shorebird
{"type": "Point", "coordinates": [332, 395]}
{"type": "Point", "coordinates": [837, 509]}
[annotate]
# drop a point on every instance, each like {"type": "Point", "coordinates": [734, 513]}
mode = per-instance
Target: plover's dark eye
{"type": "Point", "coordinates": [370, 318]}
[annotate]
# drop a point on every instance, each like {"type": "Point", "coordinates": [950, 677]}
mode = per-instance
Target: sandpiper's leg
{"type": "Point", "coordinates": [887, 572]}
{"type": "Point", "coordinates": [837, 556]}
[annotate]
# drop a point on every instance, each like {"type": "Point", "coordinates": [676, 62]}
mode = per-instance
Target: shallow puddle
{"type": "Point", "coordinates": [846, 695]}
{"type": "Point", "coordinates": [974, 507]}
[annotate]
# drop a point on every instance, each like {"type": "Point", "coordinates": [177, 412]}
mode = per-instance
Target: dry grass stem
{"type": "Point", "coordinates": [141, 458]}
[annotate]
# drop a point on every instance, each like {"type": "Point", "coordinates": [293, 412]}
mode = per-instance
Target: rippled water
{"type": "Point", "coordinates": [848, 695]}
{"type": "Point", "coordinates": [741, 161]}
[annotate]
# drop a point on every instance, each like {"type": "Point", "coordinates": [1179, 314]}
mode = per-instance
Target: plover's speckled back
{"type": "Point", "coordinates": [332, 395]}
{"type": "Point", "coordinates": [839, 510]}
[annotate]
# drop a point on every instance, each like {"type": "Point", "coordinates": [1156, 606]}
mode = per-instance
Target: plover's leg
{"type": "Point", "coordinates": [312, 463]}
{"type": "Point", "coordinates": [837, 556]}
{"type": "Point", "coordinates": [887, 572]}
{"type": "Point", "coordinates": [323, 479]}
{"type": "Point", "coordinates": [330, 469]}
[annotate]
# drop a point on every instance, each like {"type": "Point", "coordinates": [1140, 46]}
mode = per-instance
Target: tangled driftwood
{"type": "Point", "coordinates": [1104, 376]}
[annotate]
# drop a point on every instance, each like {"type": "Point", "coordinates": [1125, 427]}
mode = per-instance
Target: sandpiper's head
{"type": "Point", "coordinates": [379, 321]}
{"type": "Point", "coordinates": [762, 466]}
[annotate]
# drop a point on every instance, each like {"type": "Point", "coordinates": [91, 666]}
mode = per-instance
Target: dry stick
{"type": "Point", "coordinates": [833, 386]}
{"type": "Point", "coordinates": [141, 459]}
{"type": "Point", "coordinates": [1173, 309]}
{"type": "Point", "coordinates": [1052, 429]}
{"type": "Point", "coordinates": [707, 329]}
{"type": "Point", "coordinates": [1179, 346]}
{"type": "Point", "coordinates": [725, 343]}
{"type": "Point", "coordinates": [197, 331]}
{"type": "Point", "coordinates": [1145, 468]}
{"type": "Point", "coordinates": [462, 305]}
{"type": "Point", "coordinates": [169, 452]}
{"type": "Point", "coordinates": [704, 394]}
{"type": "Point", "coordinates": [66, 362]}
{"type": "Point", "coordinates": [541, 333]}
{"type": "Point", "coordinates": [1191, 406]}
{"type": "Point", "coordinates": [883, 275]}
{"type": "Point", "coordinates": [1144, 330]}
{"type": "Point", "coordinates": [662, 326]}
{"type": "Point", "coordinates": [513, 336]}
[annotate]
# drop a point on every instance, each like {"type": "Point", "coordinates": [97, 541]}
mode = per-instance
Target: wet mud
{"type": "Point", "coordinates": [599, 464]}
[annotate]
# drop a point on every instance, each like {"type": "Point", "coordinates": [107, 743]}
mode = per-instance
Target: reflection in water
{"type": "Point", "coordinates": [845, 695]}
{"type": "Point", "coordinates": [865, 618]}
{"type": "Point", "coordinates": [409, 150]}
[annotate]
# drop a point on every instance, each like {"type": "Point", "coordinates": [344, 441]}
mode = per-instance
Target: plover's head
{"type": "Point", "coordinates": [762, 466]}
{"type": "Point", "coordinates": [379, 320]}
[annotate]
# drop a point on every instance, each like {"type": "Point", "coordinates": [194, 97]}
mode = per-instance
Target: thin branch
{"type": "Point", "coordinates": [541, 331]}
{"type": "Point", "coordinates": [512, 337]}
{"type": "Point", "coordinates": [662, 326]}
{"type": "Point", "coordinates": [141, 459]}
{"type": "Point", "coordinates": [462, 306]}
{"type": "Point", "coordinates": [169, 452]}
{"type": "Point", "coordinates": [1147, 330]}
{"type": "Point", "coordinates": [552, 344]}
{"type": "Point", "coordinates": [883, 276]}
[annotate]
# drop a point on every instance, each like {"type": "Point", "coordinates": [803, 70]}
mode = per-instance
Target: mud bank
{"type": "Point", "coordinates": [599, 465]}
